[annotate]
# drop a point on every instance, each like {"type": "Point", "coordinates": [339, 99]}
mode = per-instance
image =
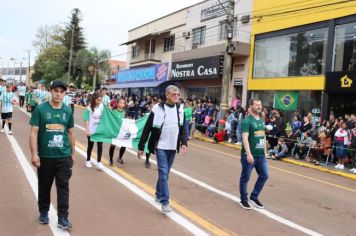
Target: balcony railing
{"type": "Point", "coordinates": [146, 57]}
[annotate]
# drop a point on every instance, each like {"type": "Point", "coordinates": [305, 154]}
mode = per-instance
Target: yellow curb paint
{"type": "Point", "coordinates": [346, 175]}
{"type": "Point", "coordinates": [191, 215]}
{"type": "Point", "coordinates": [221, 143]}
{"type": "Point", "coordinates": [282, 170]}
{"type": "Point", "coordinates": [326, 170]}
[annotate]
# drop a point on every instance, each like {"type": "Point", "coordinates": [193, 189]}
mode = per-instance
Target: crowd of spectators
{"type": "Point", "coordinates": [300, 136]}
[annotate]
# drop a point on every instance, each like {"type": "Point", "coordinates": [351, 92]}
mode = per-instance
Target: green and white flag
{"type": "Point", "coordinates": [286, 101]}
{"type": "Point", "coordinates": [118, 131]}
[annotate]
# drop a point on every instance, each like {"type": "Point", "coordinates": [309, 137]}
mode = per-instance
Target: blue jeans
{"type": "Point", "coordinates": [260, 163]}
{"type": "Point", "coordinates": [239, 133]}
{"type": "Point", "coordinates": [165, 159]}
{"type": "Point", "coordinates": [187, 127]}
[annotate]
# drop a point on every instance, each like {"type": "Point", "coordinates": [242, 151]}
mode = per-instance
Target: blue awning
{"type": "Point", "coordinates": [147, 84]}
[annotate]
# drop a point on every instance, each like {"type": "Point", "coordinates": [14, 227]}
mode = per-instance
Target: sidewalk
{"type": "Point", "coordinates": [328, 169]}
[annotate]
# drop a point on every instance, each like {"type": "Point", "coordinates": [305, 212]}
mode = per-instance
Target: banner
{"type": "Point", "coordinates": [286, 101]}
{"type": "Point", "coordinates": [120, 132]}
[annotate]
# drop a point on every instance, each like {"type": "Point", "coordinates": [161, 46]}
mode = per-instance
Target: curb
{"type": "Point", "coordinates": [287, 160]}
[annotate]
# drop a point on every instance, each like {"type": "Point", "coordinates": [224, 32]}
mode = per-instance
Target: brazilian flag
{"type": "Point", "coordinates": [286, 101]}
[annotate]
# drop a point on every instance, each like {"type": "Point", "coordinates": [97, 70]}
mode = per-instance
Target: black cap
{"type": "Point", "coordinates": [59, 83]}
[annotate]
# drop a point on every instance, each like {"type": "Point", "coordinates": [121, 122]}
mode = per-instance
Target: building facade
{"type": "Point", "coordinates": [14, 74]}
{"type": "Point", "coordinates": [203, 46]}
{"type": "Point", "coordinates": [150, 47]}
{"type": "Point", "coordinates": [308, 48]}
{"type": "Point", "coordinates": [192, 42]}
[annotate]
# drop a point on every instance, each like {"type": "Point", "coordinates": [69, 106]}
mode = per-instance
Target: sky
{"type": "Point", "coordinates": [105, 22]}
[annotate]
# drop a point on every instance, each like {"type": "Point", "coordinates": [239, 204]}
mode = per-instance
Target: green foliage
{"type": "Point", "coordinates": [53, 44]}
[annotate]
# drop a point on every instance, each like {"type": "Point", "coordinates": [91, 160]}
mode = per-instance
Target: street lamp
{"type": "Point", "coordinates": [29, 67]}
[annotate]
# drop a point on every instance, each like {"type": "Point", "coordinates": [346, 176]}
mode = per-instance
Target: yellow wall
{"type": "Point", "coordinates": [263, 22]}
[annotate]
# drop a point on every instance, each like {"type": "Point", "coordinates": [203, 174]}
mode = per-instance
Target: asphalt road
{"type": "Point", "coordinates": [204, 195]}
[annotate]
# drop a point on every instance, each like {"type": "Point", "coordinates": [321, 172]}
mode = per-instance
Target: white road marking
{"type": "Point", "coordinates": [142, 194]}
{"type": "Point", "coordinates": [233, 198]}
{"type": "Point", "coordinates": [32, 179]}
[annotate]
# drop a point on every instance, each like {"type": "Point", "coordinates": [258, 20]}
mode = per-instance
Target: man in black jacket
{"type": "Point", "coordinates": [167, 135]}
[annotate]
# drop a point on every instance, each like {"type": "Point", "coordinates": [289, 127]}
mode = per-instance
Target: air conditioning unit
{"type": "Point", "coordinates": [245, 19]}
{"type": "Point", "coordinates": [195, 45]}
{"type": "Point", "coordinates": [186, 34]}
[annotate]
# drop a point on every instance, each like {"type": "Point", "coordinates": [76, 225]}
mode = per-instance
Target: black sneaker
{"type": "Point", "coordinates": [257, 203]}
{"type": "Point", "coordinates": [147, 164]}
{"type": "Point", "coordinates": [245, 205]}
{"type": "Point", "coordinates": [43, 219]}
{"type": "Point", "coordinates": [63, 223]}
{"type": "Point", "coordinates": [120, 161]}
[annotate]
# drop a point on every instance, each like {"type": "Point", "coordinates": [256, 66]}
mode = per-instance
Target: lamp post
{"type": "Point", "coordinates": [29, 67]}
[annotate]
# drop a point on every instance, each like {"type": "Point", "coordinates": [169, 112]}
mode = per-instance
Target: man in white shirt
{"type": "Point", "coordinates": [165, 124]}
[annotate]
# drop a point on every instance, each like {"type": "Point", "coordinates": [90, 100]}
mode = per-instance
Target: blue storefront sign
{"type": "Point", "coordinates": [155, 73]}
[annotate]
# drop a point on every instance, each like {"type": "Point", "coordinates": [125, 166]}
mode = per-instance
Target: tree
{"type": "Point", "coordinates": [90, 63]}
{"type": "Point", "coordinates": [50, 64]}
{"type": "Point", "coordinates": [73, 29]}
{"type": "Point", "coordinates": [47, 36]}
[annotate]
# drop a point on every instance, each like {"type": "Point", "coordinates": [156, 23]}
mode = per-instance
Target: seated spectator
{"type": "Point", "coordinates": [322, 148]}
{"type": "Point", "coordinates": [211, 128]}
{"type": "Point", "coordinates": [280, 151]}
{"type": "Point", "coordinates": [303, 146]}
{"type": "Point", "coordinates": [219, 136]}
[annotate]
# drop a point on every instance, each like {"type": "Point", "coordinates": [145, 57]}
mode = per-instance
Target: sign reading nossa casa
{"type": "Point", "coordinates": [201, 68]}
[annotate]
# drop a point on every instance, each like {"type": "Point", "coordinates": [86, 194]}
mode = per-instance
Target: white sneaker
{"type": "Point", "coordinates": [352, 170]}
{"type": "Point", "coordinates": [2, 131]}
{"type": "Point", "coordinates": [166, 208]}
{"type": "Point", "coordinates": [88, 164]}
{"type": "Point", "coordinates": [10, 132]}
{"type": "Point", "coordinates": [355, 171]}
{"type": "Point", "coordinates": [238, 143]}
{"type": "Point", "coordinates": [100, 166]}
{"type": "Point", "coordinates": [337, 166]}
{"type": "Point", "coordinates": [229, 141]}
{"type": "Point", "coordinates": [341, 167]}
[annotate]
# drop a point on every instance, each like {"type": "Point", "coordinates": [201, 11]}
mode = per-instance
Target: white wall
{"type": "Point", "coordinates": [242, 7]}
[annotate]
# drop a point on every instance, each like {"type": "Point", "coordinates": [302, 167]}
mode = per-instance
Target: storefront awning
{"type": "Point", "coordinates": [152, 35]}
{"type": "Point", "coordinates": [147, 84]}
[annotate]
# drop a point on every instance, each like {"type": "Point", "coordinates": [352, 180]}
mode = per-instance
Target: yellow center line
{"type": "Point", "coordinates": [279, 169]}
{"type": "Point", "coordinates": [191, 215]}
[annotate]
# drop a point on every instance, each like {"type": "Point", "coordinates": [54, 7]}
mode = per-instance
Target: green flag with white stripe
{"type": "Point", "coordinates": [118, 131]}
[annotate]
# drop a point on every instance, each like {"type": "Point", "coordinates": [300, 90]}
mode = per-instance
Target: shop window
{"type": "Point", "coordinates": [150, 44]}
{"type": "Point", "coordinates": [135, 52]}
{"type": "Point", "coordinates": [344, 58]}
{"type": "Point", "coordinates": [169, 43]}
{"type": "Point", "coordinates": [298, 54]}
{"type": "Point", "coordinates": [198, 36]}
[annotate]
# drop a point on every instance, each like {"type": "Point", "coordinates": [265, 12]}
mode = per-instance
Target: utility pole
{"type": "Point", "coordinates": [29, 67]}
{"type": "Point", "coordinates": [70, 54]}
{"type": "Point", "coordinates": [230, 50]}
